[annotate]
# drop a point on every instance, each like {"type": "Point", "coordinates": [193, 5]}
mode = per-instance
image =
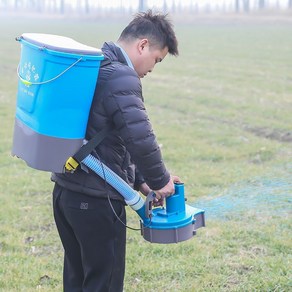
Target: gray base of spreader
{"type": "Point", "coordinates": [173, 235]}
{"type": "Point", "coordinates": [40, 151]}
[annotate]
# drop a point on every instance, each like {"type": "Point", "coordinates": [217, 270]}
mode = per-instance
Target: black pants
{"type": "Point", "coordinates": [93, 239]}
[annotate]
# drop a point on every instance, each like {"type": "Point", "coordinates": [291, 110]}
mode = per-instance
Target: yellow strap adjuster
{"type": "Point", "coordinates": [71, 164]}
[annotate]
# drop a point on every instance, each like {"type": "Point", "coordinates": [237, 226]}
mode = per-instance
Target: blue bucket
{"type": "Point", "coordinates": [57, 79]}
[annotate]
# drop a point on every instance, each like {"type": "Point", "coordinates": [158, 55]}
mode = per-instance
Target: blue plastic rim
{"type": "Point", "coordinates": [58, 108]}
{"type": "Point", "coordinates": [162, 220]}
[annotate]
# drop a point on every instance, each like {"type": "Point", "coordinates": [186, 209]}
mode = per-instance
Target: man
{"type": "Point", "coordinates": [89, 214]}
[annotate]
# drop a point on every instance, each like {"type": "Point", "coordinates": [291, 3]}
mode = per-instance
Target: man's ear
{"type": "Point", "coordinates": [142, 44]}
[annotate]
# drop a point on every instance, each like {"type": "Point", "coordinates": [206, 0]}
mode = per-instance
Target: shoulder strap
{"type": "Point", "coordinates": [74, 161]}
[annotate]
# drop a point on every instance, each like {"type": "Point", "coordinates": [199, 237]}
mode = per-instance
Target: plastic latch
{"type": "Point", "coordinates": [71, 164]}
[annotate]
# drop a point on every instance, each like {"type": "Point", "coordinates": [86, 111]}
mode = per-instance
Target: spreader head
{"type": "Point", "coordinates": [174, 223]}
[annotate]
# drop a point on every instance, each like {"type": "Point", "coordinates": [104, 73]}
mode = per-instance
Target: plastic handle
{"type": "Point", "coordinates": [149, 203]}
{"type": "Point", "coordinates": [28, 83]}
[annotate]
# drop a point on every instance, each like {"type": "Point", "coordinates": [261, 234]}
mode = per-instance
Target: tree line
{"type": "Point", "coordinates": [174, 6]}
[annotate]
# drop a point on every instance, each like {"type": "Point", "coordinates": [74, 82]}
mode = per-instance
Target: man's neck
{"type": "Point", "coordinates": [126, 52]}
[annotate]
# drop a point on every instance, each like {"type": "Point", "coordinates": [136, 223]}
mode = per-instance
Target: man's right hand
{"type": "Point", "coordinates": [168, 189]}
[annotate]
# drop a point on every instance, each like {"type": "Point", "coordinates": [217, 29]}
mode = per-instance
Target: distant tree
{"type": "Point", "coordinates": [173, 7]}
{"type": "Point", "coordinates": [262, 4]}
{"type": "Point", "coordinates": [142, 5]}
{"type": "Point", "coordinates": [52, 5]}
{"type": "Point", "coordinates": [237, 6]}
{"type": "Point", "coordinates": [165, 8]}
{"type": "Point", "coordinates": [87, 7]}
{"type": "Point", "coordinates": [246, 5]}
{"type": "Point", "coordinates": [40, 5]}
{"type": "Point", "coordinates": [62, 6]}
{"type": "Point", "coordinates": [16, 4]}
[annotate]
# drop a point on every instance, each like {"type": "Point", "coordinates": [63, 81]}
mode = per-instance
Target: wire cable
{"type": "Point", "coordinates": [110, 203]}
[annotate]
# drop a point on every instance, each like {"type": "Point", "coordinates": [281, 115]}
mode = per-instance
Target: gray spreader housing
{"type": "Point", "coordinates": [42, 152]}
{"type": "Point", "coordinates": [173, 235]}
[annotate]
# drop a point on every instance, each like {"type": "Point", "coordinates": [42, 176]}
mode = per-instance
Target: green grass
{"type": "Point", "coordinates": [221, 111]}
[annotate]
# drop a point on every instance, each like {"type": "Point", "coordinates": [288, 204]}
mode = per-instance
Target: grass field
{"type": "Point", "coordinates": [222, 112]}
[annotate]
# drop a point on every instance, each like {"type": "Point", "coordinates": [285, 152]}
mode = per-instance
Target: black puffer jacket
{"type": "Point", "coordinates": [130, 149]}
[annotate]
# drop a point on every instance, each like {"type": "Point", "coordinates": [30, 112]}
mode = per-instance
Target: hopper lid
{"type": "Point", "coordinates": [59, 43]}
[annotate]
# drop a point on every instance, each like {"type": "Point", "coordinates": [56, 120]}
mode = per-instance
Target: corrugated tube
{"type": "Point", "coordinates": [132, 198]}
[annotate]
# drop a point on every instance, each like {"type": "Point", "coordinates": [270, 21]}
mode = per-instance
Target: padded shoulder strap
{"type": "Point", "coordinates": [75, 160]}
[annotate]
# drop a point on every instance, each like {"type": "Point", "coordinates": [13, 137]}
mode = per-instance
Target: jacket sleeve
{"type": "Point", "coordinates": [124, 104]}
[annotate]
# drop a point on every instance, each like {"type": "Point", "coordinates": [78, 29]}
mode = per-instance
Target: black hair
{"type": "Point", "coordinates": [157, 28]}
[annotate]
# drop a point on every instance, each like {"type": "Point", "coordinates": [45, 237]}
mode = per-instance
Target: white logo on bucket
{"type": "Point", "coordinates": [29, 72]}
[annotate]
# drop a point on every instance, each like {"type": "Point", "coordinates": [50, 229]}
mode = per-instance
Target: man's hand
{"type": "Point", "coordinates": [161, 194]}
{"type": "Point", "coordinates": [145, 190]}
{"type": "Point", "coordinates": [167, 190]}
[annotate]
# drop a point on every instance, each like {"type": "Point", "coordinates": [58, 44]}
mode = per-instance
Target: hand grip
{"type": "Point", "coordinates": [148, 204]}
